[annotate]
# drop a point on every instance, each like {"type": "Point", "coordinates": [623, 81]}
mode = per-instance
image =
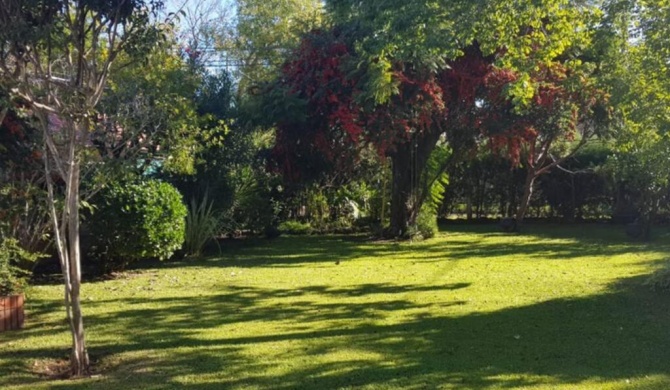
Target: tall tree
{"type": "Point", "coordinates": [401, 75]}
{"type": "Point", "coordinates": [266, 31]}
{"type": "Point", "coordinates": [633, 41]}
{"type": "Point", "coordinates": [55, 58]}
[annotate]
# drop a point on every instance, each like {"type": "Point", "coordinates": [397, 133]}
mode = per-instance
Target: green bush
{"type": "Point", "coordinates": [13, 277]}
{"type": "Point", "coordinates": [136, 221]}
{"type": "Point", "coordinates": [295, 227]}
{"type": "Point", "coordinates": [426, 224]}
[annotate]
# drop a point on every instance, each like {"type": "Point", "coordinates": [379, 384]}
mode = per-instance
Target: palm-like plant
{"type": "Point", "coordinates": [202, 223]}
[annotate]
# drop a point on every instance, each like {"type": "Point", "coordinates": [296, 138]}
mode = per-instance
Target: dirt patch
{"type": "Point", "coordinates": [57, 369]}
{"type": "Point", "coordinates": [51, 368]}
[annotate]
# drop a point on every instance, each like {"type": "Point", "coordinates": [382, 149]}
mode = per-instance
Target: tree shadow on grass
{"type": "Point", "coordinates": [619, 334]}
{"type": "Point", "coordinates": [556, 242]}
{"type": "Point", "coordinates": [542, 242]}
{"type": "Point", "coordinates": [288, 251]}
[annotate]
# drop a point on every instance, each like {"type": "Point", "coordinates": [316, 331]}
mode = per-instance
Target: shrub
{"type": "Point", "coordinates": [295, 227]}
{"type": "Point", "coordinates": [426, 223]}
{"type": "Point", "coordinates": [13, 261]}
{"type": "Point", "coordinates": [508, 225]}
{"type": "Point", "coordinates": [136, 221]}
{"type": "Point", "coordinates": [202, 224]}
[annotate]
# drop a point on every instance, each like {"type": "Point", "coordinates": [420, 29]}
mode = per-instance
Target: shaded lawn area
{"type": "Point", "coordinates": [556, 308]}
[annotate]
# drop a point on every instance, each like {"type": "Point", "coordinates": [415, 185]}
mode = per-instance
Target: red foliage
{"type": "Point", "coordinates": [555, 112]}
{"type": "Point", "coordinates": [340, 120]}
{"type": "Point", "coordinates": [466, 98]}
{"type": "Point", "coordinates": [13, 126]}
{"type": "Point", "coordinates": [17, 140]}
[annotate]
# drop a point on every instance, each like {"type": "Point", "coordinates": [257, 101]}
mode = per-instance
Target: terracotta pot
{"type": "Point", "coordinates": [11, 312]}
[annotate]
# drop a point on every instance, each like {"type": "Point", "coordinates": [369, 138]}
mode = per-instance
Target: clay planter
{"type": "Point", "coordinates": [11, 312]}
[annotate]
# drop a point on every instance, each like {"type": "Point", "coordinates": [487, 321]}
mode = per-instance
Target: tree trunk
{"type": "Point", "coordinates": [407, 195]}
{"type": "Point", "coordinates": [66, 238]}
{"type": "Point", "coordinates": [527, 194]}
{"type": "Point", "coordinates": [80, 361]}
{"type": "Point", "coordinates": [403, 194]}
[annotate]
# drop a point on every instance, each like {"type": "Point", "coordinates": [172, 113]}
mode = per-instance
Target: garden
{"type": "Point", "coordinates": [334, 194]}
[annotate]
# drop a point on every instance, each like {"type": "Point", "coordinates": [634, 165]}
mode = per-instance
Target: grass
{"type": "Point", "coordinates": [555, 308]}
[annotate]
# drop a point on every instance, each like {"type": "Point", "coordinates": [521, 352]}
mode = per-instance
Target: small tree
{"type": "Point", "coordinates": [565, 112]}
{"type": "Point", "coordinates": [55, 58]}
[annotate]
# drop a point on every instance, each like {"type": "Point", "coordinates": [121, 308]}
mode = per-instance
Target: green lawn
{"type": "Point", "coordinates": [555, 308]}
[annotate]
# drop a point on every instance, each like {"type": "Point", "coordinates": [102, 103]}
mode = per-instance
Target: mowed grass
{"type": "Point", "coordinates": [557, 307]}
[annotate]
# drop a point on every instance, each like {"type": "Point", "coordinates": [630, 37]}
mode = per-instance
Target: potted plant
{"type": "Point", "coordinates": [13, 281]}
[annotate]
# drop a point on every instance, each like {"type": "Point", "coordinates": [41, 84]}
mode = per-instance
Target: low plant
{"type": "Point", "coordinates": [295, 227]}
{"type": "Point", "coordinates": [14, 261]}
{"type": "Point", "coordinates": [426, 225]}
{"type": "Point", "coordinates": [202, 223]}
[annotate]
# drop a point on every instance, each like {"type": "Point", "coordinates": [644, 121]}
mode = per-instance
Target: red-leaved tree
{"type": "Point", "coordinates": [566, 111]}
{"type": "Point", "coordinates": [336, 119]}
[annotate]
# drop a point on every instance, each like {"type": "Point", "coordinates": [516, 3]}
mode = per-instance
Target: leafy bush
{"type": "Point", "coordinates": [426, 223]}
{"type": "Point", "coordinates": [295, 227]}
{"type": "Point", "coordinates": [136, 221]}
{"type": "Point", "coordinates": [202, 224]}
{"type": "Point", "coordinates": [13, 261]}
{"type": "Point", "coordinates": [23, 208]}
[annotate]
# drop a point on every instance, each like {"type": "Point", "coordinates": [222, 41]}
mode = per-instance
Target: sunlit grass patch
{"type": "Point", "coordinates": [553, 308]}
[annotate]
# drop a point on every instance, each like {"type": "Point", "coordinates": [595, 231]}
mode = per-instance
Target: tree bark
{"type": "Point", "coordinates": [527, 194]}
{"type": "Point", "coordinates": [66, 238]}
{"type": "Point", "coordinates": [80, 361]}
{"type": "Point", "coordinates": [402, 193]}
{"type": "Point", "coordinates": [407, 193]}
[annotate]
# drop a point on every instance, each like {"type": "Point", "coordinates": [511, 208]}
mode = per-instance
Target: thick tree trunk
{"type": "Point", "coordinates": [403, 196]}
{"type": "Point", "coordinates": [527, 194]}
{"type": "Point", "coordinates": [468, 206]}
{"type": "Point", "coordinates": [407, 195]}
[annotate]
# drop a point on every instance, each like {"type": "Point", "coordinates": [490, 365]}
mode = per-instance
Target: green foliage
{"type": "Point", "coordinates": [202, 223]}
{"type": "Point", "coordinates": [250, 204]}
{"type": "Point", "coordinates": [14, 261]}
{"type": "Point", "coordinates": [636, 74]}
{"type": "Point", "coordinates": [318, 207]}
{"type": "Point", "coordinates": [435, 178]}
{"type": "Point", "coordinates": [295, 227]}
{"type": "Point", "coordinates": [427, 32]}
{"type": "Point", "coordinates": [426, 223]}
{"type": "Point", "coordinates": [157, 102]}
{"type": "Point", "coordinates": [137, 221]}
{"type": "Point", "coordinates": [267, 30]}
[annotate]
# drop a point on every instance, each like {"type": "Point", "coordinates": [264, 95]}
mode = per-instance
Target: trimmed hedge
{"type": "Point", "coordinates": [137, 221]}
